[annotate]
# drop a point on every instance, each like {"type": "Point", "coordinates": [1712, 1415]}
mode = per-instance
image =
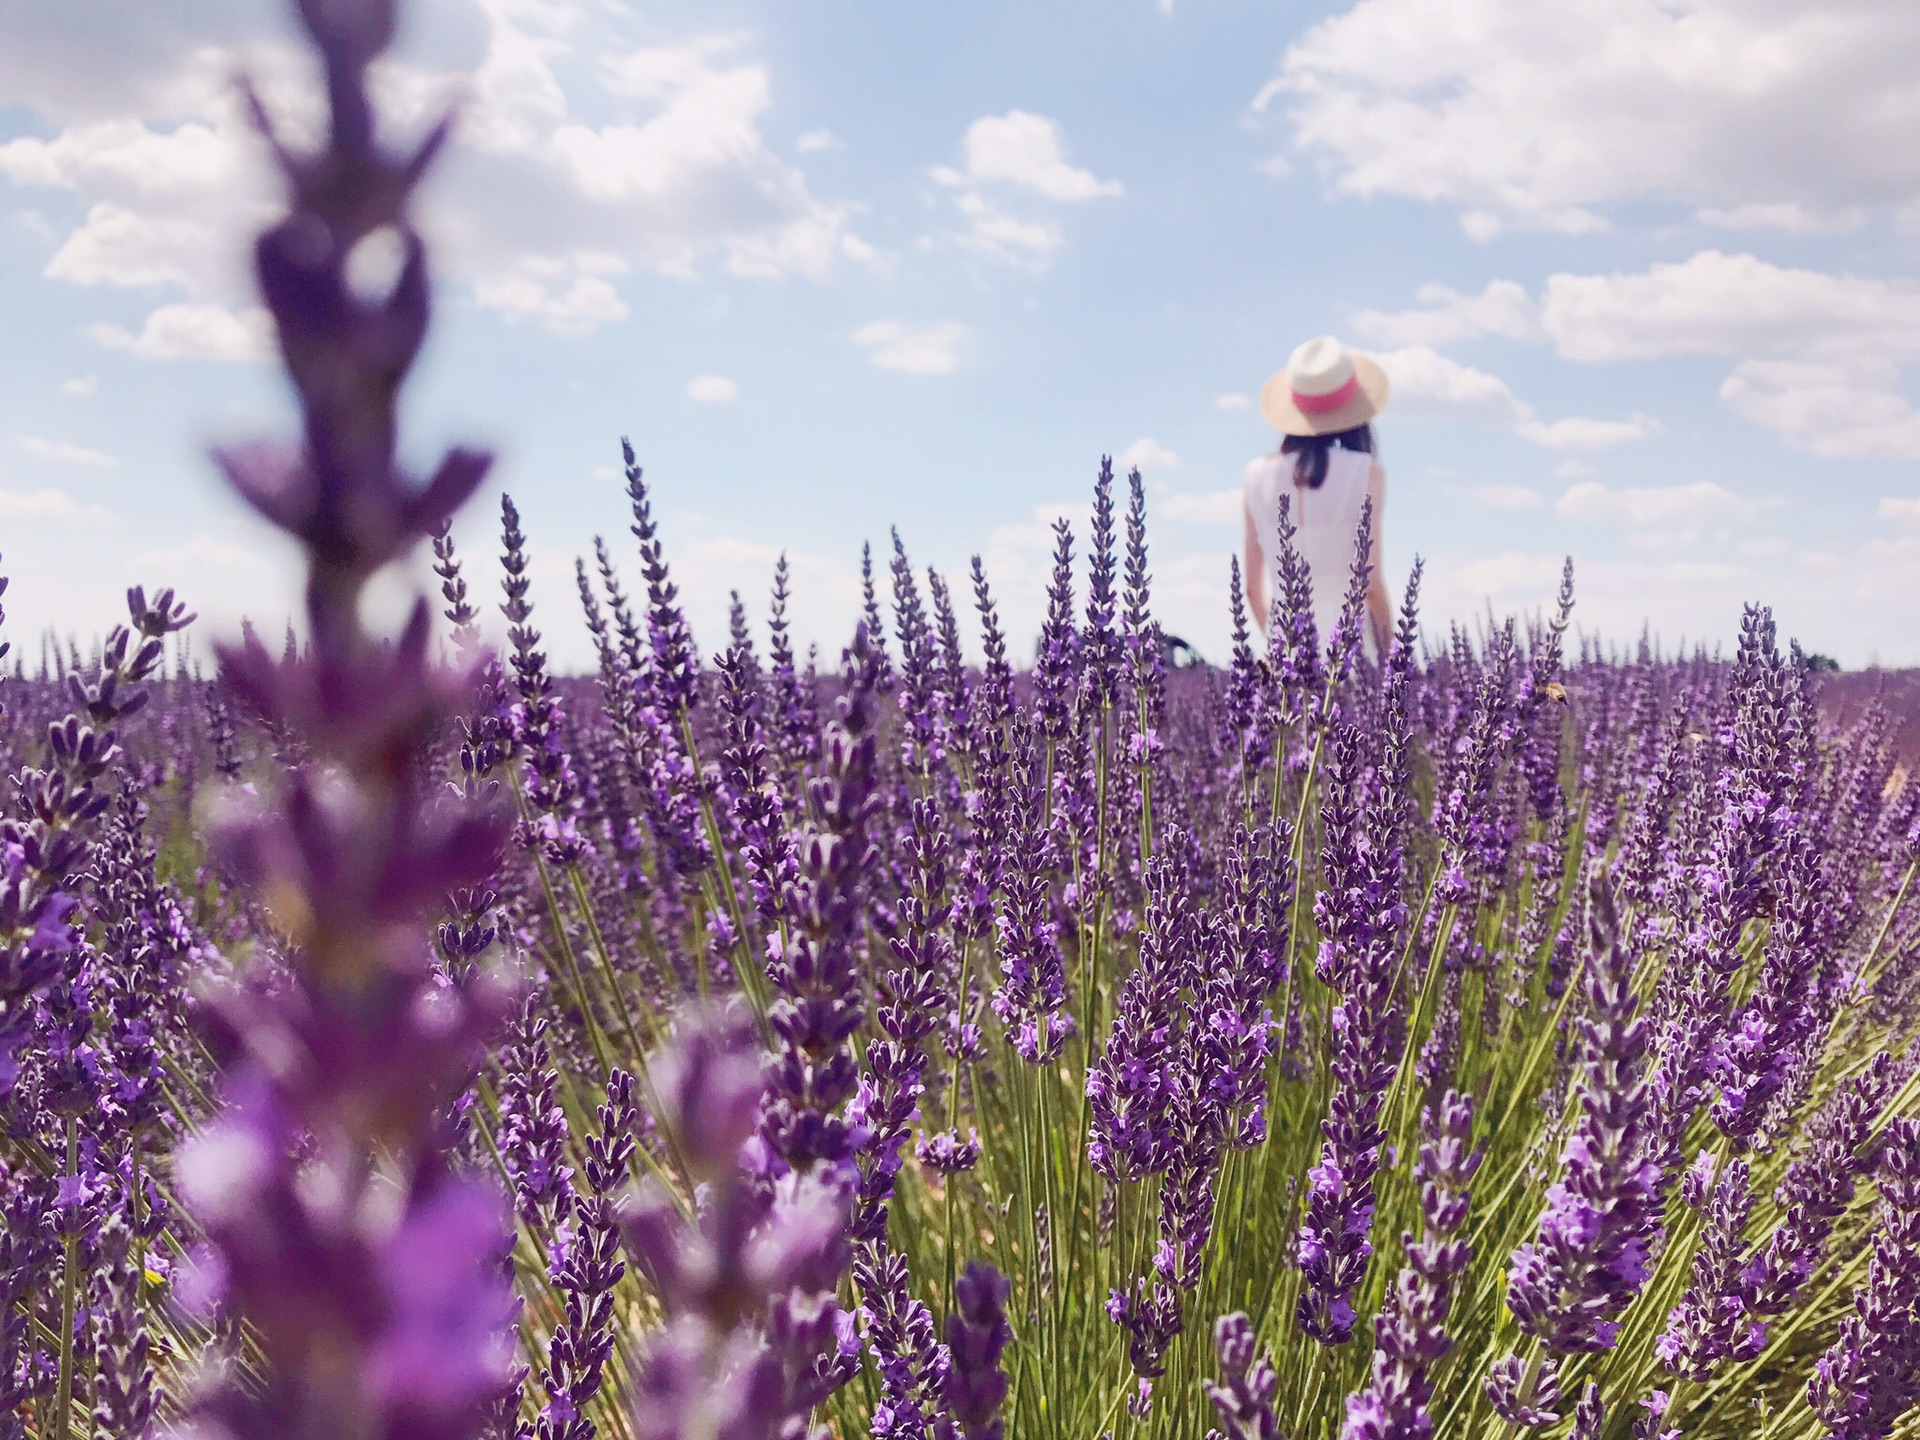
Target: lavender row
{"type": "Point", "coordinates": [400, 1039]}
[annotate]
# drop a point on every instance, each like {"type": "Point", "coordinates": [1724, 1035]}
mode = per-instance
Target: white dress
{"type": "Point", "coordinates": [1326, 522]}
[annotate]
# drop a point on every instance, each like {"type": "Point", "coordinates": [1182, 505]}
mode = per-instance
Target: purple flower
{"type": "Point", "coordinates": [1870, 1375]}
{"type": "Point", "coordinates": [1056, 669]}
{"type": "Point", "coordinates": [913, 1366]}
{"type": "Point", "coordinates": [977, 1334]}
{"type": "Point", "coordinates": [126, 1393]}
{"type": "Point", "coordinates": [1589, 1255]}
{"type": "Point", "coordinates": [1243, 1395]}
{"type": "Point", "coordinates": [1131, 1087]}
{"type": "Point", "coordinates": [674, 675]}
{"type": "Point", "coordinates": [1150, 1312]}
{"type": "Point", "coordinates": [552, 790]}
{"type": "Point", "coordinates": [531, 1129]}
{"type": "Point", "coordinates": [918, 695]}
{"type": "Point", "coordinates": [1708, 1326]}
{"type": "Point", "coordinates": [1522, 1394]}
{"type": "Point", "coordinates": [1818, 1187]}
{"type": "Point", "coordinates": [912, 997]}
{"type": "Point", "coordinates": [816, 966]}
{"type": "Point", "coordinates": [1032, 998]}
{"type": "Point", "coordinates": [793, 721]}
{"type": "Point", "coordinates": [752, 798]}
{"type": "Point", "coordinates": [1360, 914]}
{"type": "Point", "coordinates": [1344, 644]}
{"type": "Point", "coordinates": [1756, 1052]}
{"type": "Point", "coordinates": [1100, 646]}
{"type": "Point", "coordinates": [588, 1269]}
{"type": "Point", "coordinates": [1293, 641]}
{"type": "Point", "coordinates": [881, 662]}
{"type": "Point", "coordinates": [385, 1315]}
{"type": "Point", "coordinates": [1410, 1337]}
{"type": "Point", "coordinates": [753, 1338]}
{"type": "Point", "coordinates": [1589, 1414]}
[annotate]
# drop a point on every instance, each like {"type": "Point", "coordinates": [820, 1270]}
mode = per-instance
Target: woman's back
{"type": "Point", "coordinates": [1325, 518]}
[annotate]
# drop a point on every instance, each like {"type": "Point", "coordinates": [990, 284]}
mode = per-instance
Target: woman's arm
{"type": "Point", "coordinates": [1379, 605]}
{"type": "Point", "coordinates": [1253, 574]}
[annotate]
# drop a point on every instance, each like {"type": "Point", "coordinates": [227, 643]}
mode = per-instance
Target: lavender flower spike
{"type": "Point", "coordinates": [1362, 920]}
{"type": "Point", "coordinates": [371, 1286]}
{"type": "Point", "coordinates": [1243, 1395]}
{"type": "Point", "coordinates": [1870, 1375]}
{"type": "Point", "coordinates": [1032, 998]}
{"type": "Point", "coordinates": [815, 967]}
{"type": "Point", "coordinates": [1590, 1254]}
{"type": "Point", "coordinates": [1410, 1337]}
{"type": "Point", "coordinates": [977, 1336]}
{"type": "Point", "coordinates": [1818, 1187]}
{"type": "Point", "coordinates": [753, 1338]}
{"type": "Point", "coordinates": [1707, 1327]}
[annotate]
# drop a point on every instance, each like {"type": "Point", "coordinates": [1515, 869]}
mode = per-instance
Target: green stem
{"type": "Point", "coordinates": [69, 1300]}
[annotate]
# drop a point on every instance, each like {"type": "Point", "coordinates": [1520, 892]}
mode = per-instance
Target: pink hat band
{"type": "Point", "coordinates": [1332, 400]}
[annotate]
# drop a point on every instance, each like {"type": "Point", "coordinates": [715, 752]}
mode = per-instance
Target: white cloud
{"type": "Point", "coordinates": [1028, 152]}
{"type": "Point", "coordinates": [1719, 304]}
{"type": "Point", "coordinates": [1222, 507]}
{"type": "Point", "coordinates": [711, 389]}
{"type": "Point", "coordinates": [1502, 308]}
{"type": "Point", "coordinates": [1489, 106]}
{"type": "Point", "coordinates": [1507, 575]}
{"type": "Point", "coordinates": [52, 505]}
{"type": "Point", "coordinates": [198, 554]}
{"type": "Point", "coordinates": [1507, 497]}
{"type": "Point", "coordinates": [572, 294]}
{"type": "Point", "coordinates": [1819, 354]}
{"type": "Point", "coordinates": [815, 141]}
{"type": "Point", "coordinates": [1660, 517]}
{"type": "Point", "coordinates": [1826, 409]}
{"type": "Point", "coordinates": [915, 349]}
{"type": "Point", "coordinates": [64, 452]}
{"type": "Point", "coordinates": [80, 385]}
{"type": "Point", "coordinates": [1790, 217]}
{"type": "Point", "coordinates": [1903, 508]}
{"type": "Point", "coordinates": [992, 231]}
{"type": "Point", "coordinates": [1146, 454]}
{"type": "Point", "coordinates": [538, 208]}
{"type": "Point", "coordinates": [133, 249]}
{"type": "Point", "coordinates": [1711, 303]}
{"type": "Point", "coordinates": [1652, 505]}
{"type": "Point", "coordinates": [1578, 433]}
{"type": "Point", "coordinates": [125, 156]}
{"type": "Point", "coordinates": [195, 332]}
{"type": "Point", "coordinates": [1233, 401]}
{"type": "Point", "coordinates": [1427, 383]}
{"type": "Point", "coordinates": [1018, 157]}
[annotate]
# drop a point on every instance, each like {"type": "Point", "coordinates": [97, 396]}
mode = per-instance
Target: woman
{"type": "Point", "coordinates": [1322, 405]}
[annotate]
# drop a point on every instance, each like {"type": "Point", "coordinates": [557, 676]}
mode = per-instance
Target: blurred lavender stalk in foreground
{"type": "Point", "coordinates": [367, 1270]}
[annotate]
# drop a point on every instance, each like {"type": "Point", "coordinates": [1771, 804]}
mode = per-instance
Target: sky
{"type": "Point", "coordinates": [1641, 272]}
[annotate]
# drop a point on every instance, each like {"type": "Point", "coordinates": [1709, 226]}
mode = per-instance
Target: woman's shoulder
{"type": "Point", "coordinates": [1262, 472]}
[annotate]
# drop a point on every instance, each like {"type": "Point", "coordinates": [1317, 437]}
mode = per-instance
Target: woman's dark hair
{"type": "Point", "coordinates": [1310, 452]}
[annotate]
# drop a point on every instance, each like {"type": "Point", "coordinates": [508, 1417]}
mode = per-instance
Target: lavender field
{"type": "Point", "coordinates": [404, 1041]}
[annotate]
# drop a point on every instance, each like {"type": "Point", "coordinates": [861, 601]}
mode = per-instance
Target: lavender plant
{"type": "Point", "coordinates": [400, 1041]}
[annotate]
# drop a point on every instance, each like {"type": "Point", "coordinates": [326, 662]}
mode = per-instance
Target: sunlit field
{"type": "Point", "coordinates": [1500, 1031]}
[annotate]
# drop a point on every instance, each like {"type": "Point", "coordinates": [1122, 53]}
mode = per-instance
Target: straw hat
{"type": "Point", "coordinates": [1326, 388]}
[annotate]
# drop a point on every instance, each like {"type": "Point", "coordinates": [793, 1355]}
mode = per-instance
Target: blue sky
{"type": "Point", "coordinates": [1641, 273]}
